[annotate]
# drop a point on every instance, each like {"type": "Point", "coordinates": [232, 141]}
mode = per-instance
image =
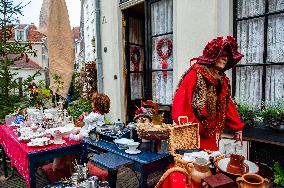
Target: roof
{"type": "Point", "coordinates": [31, 64]}
{"type": "Point", "coordinates": [76, 32]}
{"type": "Point", "coordinates": [23, 64]}
{"type": "Point", "coordinates": [33, 34]}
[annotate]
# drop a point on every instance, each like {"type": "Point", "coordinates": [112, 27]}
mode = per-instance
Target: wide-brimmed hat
{"type": "Point", "coordinates": [214, 49]}
{"type": "Point", "coordinates": [143, 112]}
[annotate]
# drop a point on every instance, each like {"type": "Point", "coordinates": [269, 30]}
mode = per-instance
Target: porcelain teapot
{"type": "Point", "coordinates": [199, 171]}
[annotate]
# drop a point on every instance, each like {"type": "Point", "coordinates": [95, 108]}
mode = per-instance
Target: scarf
{"type": "Point", "coordinates": [210, 99]}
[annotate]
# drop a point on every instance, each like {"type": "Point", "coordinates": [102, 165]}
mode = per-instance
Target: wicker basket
{"type": "Point", "coordinates": [153, 132]}
{"type": "Point", "coordinates": [185, 136]}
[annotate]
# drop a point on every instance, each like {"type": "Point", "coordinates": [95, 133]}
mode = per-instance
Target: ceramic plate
{"type": "Point", "coordinates": [223, 163]}
{"type": "Point", "coordinates": [132, 152]}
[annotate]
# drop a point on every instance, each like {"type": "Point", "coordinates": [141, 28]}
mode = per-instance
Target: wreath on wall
{"type": "Point", "coordinates": [135, 57]}
{"type": "Point", "coordinates": [164, 55]}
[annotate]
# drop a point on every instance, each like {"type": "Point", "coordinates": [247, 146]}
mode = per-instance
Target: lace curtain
{"type": "Point", "coordinates": [136, 40]}
{"type": "Point", "coordinates": [162, 22]}
{"type": "Point", "coordinates": [250, 35]}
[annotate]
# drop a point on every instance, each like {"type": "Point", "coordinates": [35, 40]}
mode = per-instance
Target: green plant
{"type": "Point", "coordinates": [278, 175]}
{"type": "Point", "coordinates": [42, 97]}
{"type": "Point", "coordinates": [273, 115]}
{"type": "Point", "coordinates": [58, 81]}
{"type": "Point", "coordinates": [247, 113]}
{"type": "Point", "coordinates": [275, 111]}
{"type": "Point", "coordinates": [76, 86]}
{"type": "Point", "coordinates": [76, 108]}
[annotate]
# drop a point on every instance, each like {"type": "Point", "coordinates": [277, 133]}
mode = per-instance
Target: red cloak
{"type": "Point", "coordinates": [207, 101]}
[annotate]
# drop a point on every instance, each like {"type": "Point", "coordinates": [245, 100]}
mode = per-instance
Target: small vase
{"type": "Point", "coordinates": [200, 171]}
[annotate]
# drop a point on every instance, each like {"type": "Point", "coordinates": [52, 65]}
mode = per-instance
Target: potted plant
{"type": "Point", "coordinates": [76, 108]}
{"type": "Point", "coordinates": [247, 114]}
{"type": "Point", "coordinates": [278, 175]}
{"type": "Point", "coordinates": [273, 116]}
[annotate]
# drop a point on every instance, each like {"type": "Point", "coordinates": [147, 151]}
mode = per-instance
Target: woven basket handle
{"type": "Point", "coordinates": [169, 171]}
{"type": "Point", "coordinates": [182, 117]}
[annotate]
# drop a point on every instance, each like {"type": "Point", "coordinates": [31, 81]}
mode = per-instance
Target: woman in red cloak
{"type": "Point", "coordinates": [204, 96]}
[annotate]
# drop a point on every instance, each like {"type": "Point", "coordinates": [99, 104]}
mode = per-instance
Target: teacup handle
{"type": "Point", "coordinates": [239, 181]}
{"type": "Point", "coordinates": [246, 168]}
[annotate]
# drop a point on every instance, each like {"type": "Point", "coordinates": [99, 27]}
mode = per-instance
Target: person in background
{"type": "Point", "coordinates": [101, 106]}
{"type": "Point", "coordinates": [204, 96]}
{"type": "Point", "coordinates": [143, 115]}
{"type": "Point", "coordinates": [33, 88]}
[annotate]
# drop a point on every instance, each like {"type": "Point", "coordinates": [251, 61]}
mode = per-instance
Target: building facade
{"type": "Point", "coordinates": [28, 33]}
{"type": "Point", "coordinates": [79, 57]}
{"type": "Point", "coordinates": [88, 28]}
{"type": "Point", "coordinates": [147, 46]}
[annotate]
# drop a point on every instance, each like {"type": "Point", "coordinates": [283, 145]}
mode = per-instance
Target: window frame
{"type": "Point", "coordinates": [148, 51]}
{"type": "Point", "coordinates": [20, 37]}
{"type": "Point", "coordinates": [147, 93]}
{"type": "Point", "coordinates": [265, 63]}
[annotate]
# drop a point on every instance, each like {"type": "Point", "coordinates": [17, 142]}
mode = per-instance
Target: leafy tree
{"type": "Point", "coordinates": [10, 52]}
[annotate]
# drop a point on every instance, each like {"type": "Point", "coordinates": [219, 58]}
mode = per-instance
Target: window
{"type": "Point", "coordinates": [149, 58]}
{"type": "Point", "coordinates": [20, 35]}
{"type": "Point", "coordinates": [259, 28]}
{"type": "Point", "coordinates": [161, 37]}
{"type": "Point", "coordinates": [43, 52]}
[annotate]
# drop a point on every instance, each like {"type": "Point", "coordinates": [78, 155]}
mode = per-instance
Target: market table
{"type": "Point", "coordinates": [26, 158]}
{"type": "Point", "coordinates": [144, 162]}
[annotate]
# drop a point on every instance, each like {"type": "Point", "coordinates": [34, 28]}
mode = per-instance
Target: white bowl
{"type": "Point", "coordinates": [133, 145]}
{"type": "Point", "coordinates": [122, 143]}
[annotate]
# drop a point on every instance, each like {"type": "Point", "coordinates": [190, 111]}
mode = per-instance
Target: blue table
{"type": "Point", "coordinates": [25, 158]}
{"type": "Point", "coordinates": [144, 162]}
{"type": "Point", "coordinates": [45, 155]}
{"type": "Point", "coordinates": [112, 162]}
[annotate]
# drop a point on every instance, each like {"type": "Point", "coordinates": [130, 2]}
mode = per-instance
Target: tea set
{"type": "Point", "coordinates": [43, 141]}
{"type": "Point", "coordinates": [235, 166]}
{"type": "Point", "coordinates": [39, 124]}
{"type": "Point", "coordinates": [129, 145]}
{"type": "Point", "coordinates": [245, 171]}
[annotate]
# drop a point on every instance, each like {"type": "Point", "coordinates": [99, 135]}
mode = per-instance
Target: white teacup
{"type": "Point", "coordinates": [133, 145]}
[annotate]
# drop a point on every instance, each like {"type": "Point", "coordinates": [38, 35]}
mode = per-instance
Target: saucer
{"type": "Point", "coordinates": [132, 151]}
{"type": "Point", "coordinates": [223, 163]}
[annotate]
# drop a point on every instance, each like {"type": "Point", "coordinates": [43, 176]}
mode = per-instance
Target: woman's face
{"type": "Point", "coordinates": [221, 61]}
{"type": "Point", "coordinates": [143, 120]}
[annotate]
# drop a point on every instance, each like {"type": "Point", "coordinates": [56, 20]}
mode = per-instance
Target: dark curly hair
{"type": "Point", "coordinates": [101, 103]}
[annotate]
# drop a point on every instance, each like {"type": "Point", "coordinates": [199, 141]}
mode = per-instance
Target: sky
{"type": "Point", "coordinates": [31, 11]}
